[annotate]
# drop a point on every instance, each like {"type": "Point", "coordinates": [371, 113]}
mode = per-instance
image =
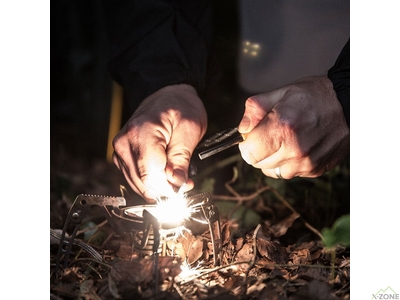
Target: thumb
{"type": "Point", "coordinates": [179, 152]}
{"type": "Point", "coordinates": [177, 169]}
{"type": "Point", "coordinates": [256, 108]}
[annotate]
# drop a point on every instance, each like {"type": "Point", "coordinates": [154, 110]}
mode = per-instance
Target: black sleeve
{"type": "Point", "coordinates": [155, 43]}
{"type": "Point", "coordinates": [339, 74]}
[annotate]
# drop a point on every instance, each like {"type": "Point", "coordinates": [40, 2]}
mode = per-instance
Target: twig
{"type": "Point", "coordinates": [287, 204]}
{"type": "Point", "coordinates": [253, 260]}
{"type": "Point", "coordinates": [233, 179]}
{"type": "Point", "coordinates": [219, 165]}
{"type": "Point", "coordinates": [243, 198]}
{"type": "Point", "coordinates": [275, 192]}
{"type": "Point", "coordinates": [91, 228]}
{"type": "Point", "coordinates": [107, 239]}
{"type": "Point", "coordinates": [206, 272]}
{"type": "Point", "coordinates": [236, 194]}
{"type": "Point", "coordinates": [94, 270]}
{"type": "Point", "coordinates": [209, 271]}
{"type": "Point", "coordinates": [177, 288]}
{"type": "Point", "coordinates": [90, 259]}
{"type": "Point", "coordinates": [296, 265]}
{"type": "Point", "coordinates": [255, 245]}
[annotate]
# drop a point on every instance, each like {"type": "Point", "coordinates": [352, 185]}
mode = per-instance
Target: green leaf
{"type": "Point", "coordinates": [247, 218]}
{"type": "Point", "coordinates": [339, 234]}
{"type": "Point", "coordinates": [208, 185]}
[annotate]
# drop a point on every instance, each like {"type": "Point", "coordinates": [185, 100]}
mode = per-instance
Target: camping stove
{"type": "Point", "coordinates": [149, 234]}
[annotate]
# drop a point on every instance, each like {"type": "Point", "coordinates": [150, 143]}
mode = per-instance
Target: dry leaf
{"type": "Point", "coordinates": [301, 257]}
{"type": "Point", "coordinates": [87, 291]}
{"type": "Point", "coordinates": [246, 253]}
{"type": "Point", "coordinates": [195, 251]}
{"type": "Point", "coordinates": [280, 228]}
{"type": "Point", "coordinates": [272, 251]}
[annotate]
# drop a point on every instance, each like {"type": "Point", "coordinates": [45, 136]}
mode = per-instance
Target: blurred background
{"type": "Point", "coordinates": [259, 45]}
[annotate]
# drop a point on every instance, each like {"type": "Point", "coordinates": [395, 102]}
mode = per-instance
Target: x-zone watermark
{"type": "Point", "coordinates": [388, 293]}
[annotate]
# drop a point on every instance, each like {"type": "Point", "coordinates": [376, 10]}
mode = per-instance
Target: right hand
{"type": "Point", "coordinates": [300, 128]}
{"type": "Point", "coordinates": [154, 148]}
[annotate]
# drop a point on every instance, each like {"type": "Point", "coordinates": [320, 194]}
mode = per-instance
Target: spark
{"type": "Point", "coordinates": [189, 272]}
{"type": "Point", "coordinates": [173, 209]}
{"type": "Point", "coordinates": [171, 212]}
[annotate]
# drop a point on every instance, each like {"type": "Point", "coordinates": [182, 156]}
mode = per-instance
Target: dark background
{"type": "Point", "coordinates": [300, 38]}
{"type": "Point", "coordinates": [81, 88]}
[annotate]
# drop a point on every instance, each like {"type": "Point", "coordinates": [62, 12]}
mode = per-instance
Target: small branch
{"type": "Point", "coordinates": [297, 265]}
{"type": "Point", "coordinates": [90, 259]}
{"type": "Point", "coordinates": [228, 184]}
{"type": "Point", "coordinates": [179, 291]}
{"type": "Point", "coordinates": [253, 261]}
{"type": "Point", "coordinates": [94, 270]}
{"type": "Point", "coordinates": [287, 204]}
{"type": "Point", "coordinates": [91, 228]}
{"type": "Point", "coordinates": [279, 196]}
{"type": "Point", "coordinates": [236, 194]}
{"type": "Point", "coordinates": [219, 165]}
{"type": "Point", "coordinates": [243, 198]}
{"type": "Point", "coordinates": [206, 272]}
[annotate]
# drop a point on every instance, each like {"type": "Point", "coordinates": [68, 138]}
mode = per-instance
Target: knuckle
{"type": "Point", "coordinates": [252, 102]}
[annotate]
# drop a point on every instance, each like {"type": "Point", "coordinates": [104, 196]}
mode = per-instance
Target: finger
{"type": "Point", "coordinates": [132, 161]}
{"type": "Point", "coordinates": [124, 159]}
{"type": "Point", "coordinates": [270, 173]}
{"type": "Point", "coordinates": [183, 141]}
{"type": "Point", "coordinates": [256, 108]}
{"type": "Point", "coordinates": [151, 164]}
{"type": "Point", "coordinates": [291, 170]}
{"type": "Point", "coordinates": [137, 186]}
{"type": "Point", "coordinates": [274, 160]}
{"type": "Point", "coordinates": [188, 186]}
{"type": "Point", "coordinates": [177, 170]}
{"type": "Point", "coordinates": [282, 172]}
{"type": "Point", "coordinates": [253, 114]}
{"type": "Point", "coordinates": [263, 141]}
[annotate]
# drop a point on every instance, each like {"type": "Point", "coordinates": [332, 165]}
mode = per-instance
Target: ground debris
{"type": "Point", "coordinates": [266, 270]}
{"type": "Point", "coordinates": [261, 265]}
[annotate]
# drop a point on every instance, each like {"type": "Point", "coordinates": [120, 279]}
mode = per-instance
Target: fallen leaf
{"type": "Point", "coordinates": [125, 252]}
{"type": "Point", "coordinates": [280, 229]}
{"type": "Point", "coordinates": [272, 251]}
{"type": "Point", "coordinates": [195, 251]}
{"type": "Point", "coordinates": [317, 290]}
{"type": "Point", "coordinates": [245, 254]}
{"type": "Point", "coordinates": [71, 275]}
{"type": "Point", "coordinates": [300, 257]}
{"type": "Point", "coordinates": [88, 291]}
{"type": "Point", "coordinates": [131, 273]}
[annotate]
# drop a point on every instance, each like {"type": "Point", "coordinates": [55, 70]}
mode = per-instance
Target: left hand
{"type": "Point", "coordinates": [154, 147]}
{"type": "Point", "coordinates": [299, 127]}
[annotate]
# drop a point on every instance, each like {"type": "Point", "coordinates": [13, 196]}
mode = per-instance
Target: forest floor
{"type": "Point", "coordinates": [273, 240]}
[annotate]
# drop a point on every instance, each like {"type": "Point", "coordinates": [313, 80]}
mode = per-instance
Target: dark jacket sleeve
{"type": "Point", "coordinates": [155, 43]}
{"type": "Point", "coordinates": [339, 74]}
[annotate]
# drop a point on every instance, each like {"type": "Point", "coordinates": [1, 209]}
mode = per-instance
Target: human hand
{"type": "Point", "coordinates": [154, 148]}
{"type": "Point", "coordinates": [299, 128]}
